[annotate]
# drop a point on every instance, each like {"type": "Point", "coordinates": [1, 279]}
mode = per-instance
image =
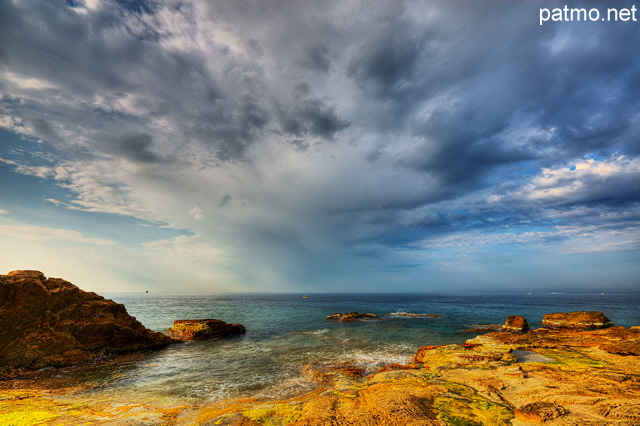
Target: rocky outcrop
{"type": "Point", "coordinates": [51, 322]}
{"type": "Point", "coordinates": [479, 382]}
{"type": "Point", "coordinates": [579, 319]}
{"type": "Point", "coordinates": [463, 356]}
{"type": "Point", "coordinates": [350, 317]}
{"type": "Point", "coordinates": [560, 377]}
{"type": "Point", "coordinates": [515, 323]}
{"type": "Point", "coordinates": [615, 340]}
{"type": "Point", "coordinates": [202, 329]}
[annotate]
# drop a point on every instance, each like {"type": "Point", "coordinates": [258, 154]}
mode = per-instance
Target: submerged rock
{"type": "Point", "coordinates": [51, 322]}
{"type": "Point", "coordinates": [579, 319]}
{"type": "Point", "coordinates": [484, 328]}
{"type": "Point", "coordinates": [202, 329]}
{"type": "Point", "coordinates": [350, 316]}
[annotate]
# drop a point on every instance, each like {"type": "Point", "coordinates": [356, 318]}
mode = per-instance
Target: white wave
{"type": "Point", "coordinates": [288, 388]}
{"type": "Point", "coordinates": [319, 332]}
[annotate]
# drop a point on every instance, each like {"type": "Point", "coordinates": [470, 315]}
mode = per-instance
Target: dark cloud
{"type": "Point", "coordinates": [299, 144]}
{"type": "Point", "coordinates": [316, 58]}
{"type": "Point", "coordinates": [445, 117]}
{"type": "Point", "coordinates": [224, 200]}
{"type": "Point", "coordinates": [387, 65]}
{"type": "Point", "coordinates": [136, 147]}
{"type": "Point", "coordinates": [307, 115]}
{"type": "Point", "coordinates": [44, 129]}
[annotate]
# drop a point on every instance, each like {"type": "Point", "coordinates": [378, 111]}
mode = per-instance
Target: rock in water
{"type": "Point", "coordinates": [51, 322]}
{"type": "Point", "coordinates": [579, 319]}
{"type": "Point", "coordinates": [201, 329]}
{"type": "Point", "coordinates": [350, 316]}
{"type": "Point", "coordinates": [515, 323]}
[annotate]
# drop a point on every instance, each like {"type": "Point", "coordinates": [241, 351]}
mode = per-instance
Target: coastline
{"type": "Point", "coordinates": [479, 382]}
{"type": "Point", "coordinates": [89, 361]}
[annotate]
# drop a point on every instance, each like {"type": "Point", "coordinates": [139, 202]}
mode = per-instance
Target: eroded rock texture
{"type": "Point", "coordinates": [51, 322]}
{"type": "Point", "coordinates": [578, 319]}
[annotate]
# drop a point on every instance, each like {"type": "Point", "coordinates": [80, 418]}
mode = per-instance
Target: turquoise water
{"type": "Point", "coordinates": [286, 334]}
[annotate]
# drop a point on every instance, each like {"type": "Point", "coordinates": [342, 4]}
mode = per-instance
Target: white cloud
{"type": "Point", "coordinates": [197, 213]}
{"type": "Point", "coordinates": [596, 239]}
{"type": "Point", "coordinates": [28, 83]}
{"type": "Point", "coordinates": [287, 142]}
{"type": "Point", "coordinates": [583, 180]}
{"type": "Point", "coordinates": [40, 233]}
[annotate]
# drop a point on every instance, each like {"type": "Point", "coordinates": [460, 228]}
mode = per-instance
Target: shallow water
{"type": "Point", "coordinates": [286, 333]}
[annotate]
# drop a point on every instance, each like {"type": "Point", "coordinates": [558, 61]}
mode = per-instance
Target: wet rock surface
{"type": "Point", "coordinates": [350, 317]}
{"type": "Point", "coordinates": [51, 322]}
{"type": "Point", "coordinates": [544, 376]}
{"type": "Point", "coordinates": [203, 329]}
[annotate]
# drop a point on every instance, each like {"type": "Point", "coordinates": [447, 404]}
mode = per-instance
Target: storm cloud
{"type": "Point", "coordinates": [296, 145]}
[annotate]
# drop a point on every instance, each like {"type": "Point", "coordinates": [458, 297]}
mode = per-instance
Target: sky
{"type": "Point", "coordinates": [312, 146]}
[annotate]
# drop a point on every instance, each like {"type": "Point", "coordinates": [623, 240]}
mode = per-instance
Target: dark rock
{"type": "Point", "coordinates": [579, 319]}
{"type": "Point", "coordinates": [350, 316]}
{"type": "Point", "coordinates": [515, 323]}
{"type": "Point", "coordinates": [51, 322]}
{"type": "Point", "coordinates": [202, 329]}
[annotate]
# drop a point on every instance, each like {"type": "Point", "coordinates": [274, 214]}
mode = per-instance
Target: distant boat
{"type": "Point", "coordinates": [530, 293]}
{"type": "Point", "coordinates": [304, 297]}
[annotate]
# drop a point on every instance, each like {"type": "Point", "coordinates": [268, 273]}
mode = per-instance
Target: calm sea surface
{"type": "Point", "coordinates": [286, 333]}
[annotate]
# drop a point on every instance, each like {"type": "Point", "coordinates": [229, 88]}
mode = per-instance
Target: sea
{"type": "Point", "coordinates": [288, 336]}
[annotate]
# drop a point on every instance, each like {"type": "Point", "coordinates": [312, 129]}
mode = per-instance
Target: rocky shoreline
{"type": "Point", "coordinates": [50, 322]}
{"type": "Point", "coordinates": [578, 370]}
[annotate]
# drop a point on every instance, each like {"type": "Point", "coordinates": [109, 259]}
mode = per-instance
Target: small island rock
{"type": "Point", "coordinates": [202, 329]}
{"type": "Point", "coordinates": [51, 322]}
{"type": "Point", "coordinates": [579, 319]}
{"type": "Point", "coordinates": [350, 316]}
{"type": "Point", "coordinates": [515, 323]}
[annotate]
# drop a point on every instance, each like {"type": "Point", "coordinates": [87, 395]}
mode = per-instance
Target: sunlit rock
{"type": "Point", "coordinates": [515, 323]}
{"type": "Point", "coordinates": [202, 329]}
{"type": "Point", "coordinates": [579, 319]}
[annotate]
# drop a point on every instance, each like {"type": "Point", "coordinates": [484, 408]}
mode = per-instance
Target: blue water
{"type": "Point", "coordinates": [287, 334]}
